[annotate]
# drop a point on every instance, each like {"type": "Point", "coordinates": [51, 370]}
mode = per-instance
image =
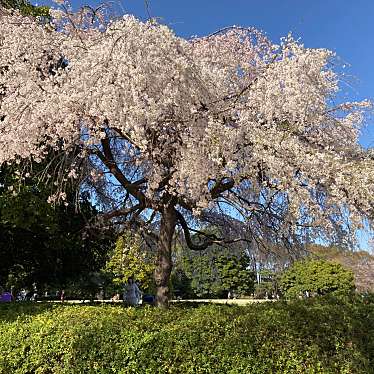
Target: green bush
{"type": "Point", "coordinates": [318, 335]}
{"type": "Point", "coordinates": [317, 277]}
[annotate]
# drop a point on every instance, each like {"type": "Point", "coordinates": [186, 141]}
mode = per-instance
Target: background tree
{"type": "Point", "coordinates": [316, 277]}
{"type": "Point", "coordinates": [212, 273]}
{"type": "Point", "coordinates": [25, 8]}
{"type": "Point", "coordinates": [267, 284]}
{"type": "Point", "coordinates": [130, 259]}
{"type": "Point", "coordinates": [170, 132]}
{"type": "Point", "coordinates": [361, 263]}
{"type": "Point", "coordinates": [42, 244]}
{"type": "Point", "coordinates": [235, 275]}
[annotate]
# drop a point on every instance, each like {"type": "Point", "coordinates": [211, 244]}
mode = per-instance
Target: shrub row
{"type": "Point", "coordinates": [320, 335]}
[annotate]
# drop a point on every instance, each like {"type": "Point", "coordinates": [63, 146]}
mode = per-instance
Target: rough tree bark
{"type": "Point", "coordinates": [163, 259]}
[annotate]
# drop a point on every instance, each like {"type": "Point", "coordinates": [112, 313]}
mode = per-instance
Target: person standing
{"type": "Point", "coordinates": [131, 293]}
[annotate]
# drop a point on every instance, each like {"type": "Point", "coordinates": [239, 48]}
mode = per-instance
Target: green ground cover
{"type": "Point", "coordinates": [320, 335]}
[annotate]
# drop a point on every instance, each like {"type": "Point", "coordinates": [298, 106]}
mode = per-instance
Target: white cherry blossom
{"type": "Point", "coordinates": [187, 128]}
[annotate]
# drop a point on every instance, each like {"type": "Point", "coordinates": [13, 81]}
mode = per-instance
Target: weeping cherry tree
{"type": "Point", "coordinates": [167, 133]}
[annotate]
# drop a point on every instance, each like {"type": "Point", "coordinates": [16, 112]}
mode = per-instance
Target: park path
{"type": "Point", "coordinates": [213, 301]}
{"type": "Point", "coordinates": [224, 301]}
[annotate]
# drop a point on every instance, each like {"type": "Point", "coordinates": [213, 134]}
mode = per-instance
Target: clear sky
{"type": "Point", "coordinates": [344, 26]}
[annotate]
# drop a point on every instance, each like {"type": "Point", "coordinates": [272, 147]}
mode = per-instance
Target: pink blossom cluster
{"type": "Point", "coordinates": [182, 115]}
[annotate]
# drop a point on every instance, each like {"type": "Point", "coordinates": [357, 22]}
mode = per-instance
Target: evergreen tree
{"type": "Point", "coordinates": [316, 277]}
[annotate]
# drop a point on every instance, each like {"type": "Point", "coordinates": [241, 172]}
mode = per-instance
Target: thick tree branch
{"type": "Point", "coordinates": [221, 186]}
{"type": "Point", "coordinates": [187, 235]}
{"type": "Point", "coordinates": [107, 159]}
{"type": "Point", "coordinates": [123, 212]}
{"type": "Point", "coordinates": [209, 239]}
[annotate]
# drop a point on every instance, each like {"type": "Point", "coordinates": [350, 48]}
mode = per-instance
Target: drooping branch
{"type": "Point", "coordinates": [108, 160]}
{"type": "Point", "coordinates": [123, 212]}
{"type": "Point", "coordinates": [209, 239]}
{"type": "Point", "coordinates": [125, 136]}
{"type": "Point", "coordinates": [186, 231]}
{"type": "Point", "coordinates": [221, 186]}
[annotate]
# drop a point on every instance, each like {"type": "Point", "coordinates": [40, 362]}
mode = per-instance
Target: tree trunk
{"type": "Point", "coordinates": [163, 261]}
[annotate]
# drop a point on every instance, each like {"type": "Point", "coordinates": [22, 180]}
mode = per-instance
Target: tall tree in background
{"type": "Point", "coordinates": [361, 263]}
{"type": "Point", "coordinates": [43, 244]}
{"type": "Point", "coordinates": [212, 272]}
{"type": "Point", "coordinates": [171, 132]}
{"type": "Point", "coordinates": [128, 259]}
{"type": "Point", "coordinates": [316, 277]}
{"type": "Point", "coordinates": [25, 8]}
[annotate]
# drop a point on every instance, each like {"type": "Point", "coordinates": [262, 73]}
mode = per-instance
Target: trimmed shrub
{"type": "Point", "coordinates": [318, 335]}
{"type": "Point", "coordinates": [316, 277]}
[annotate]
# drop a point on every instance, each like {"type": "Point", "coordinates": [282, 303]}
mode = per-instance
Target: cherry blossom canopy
{"type": "Point", "coordinates": [154, 119]}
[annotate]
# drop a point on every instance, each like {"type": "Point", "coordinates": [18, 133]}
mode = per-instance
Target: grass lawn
{"type": "Point", "coordinates": [321, 335]}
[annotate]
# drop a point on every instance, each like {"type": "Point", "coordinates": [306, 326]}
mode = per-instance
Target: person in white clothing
{"type": "Point", "coordinates": [132, 294]}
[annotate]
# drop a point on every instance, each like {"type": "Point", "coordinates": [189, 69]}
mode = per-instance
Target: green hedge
{"type": "Point", "coordinates": [306, 336]}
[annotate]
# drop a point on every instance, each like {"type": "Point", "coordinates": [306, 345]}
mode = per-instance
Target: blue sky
{"type": "Point", "coordinates": [344, 26]}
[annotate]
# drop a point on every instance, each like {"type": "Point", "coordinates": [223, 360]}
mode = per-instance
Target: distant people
{"type": "Point", "coordinates": [22, 295]}
{"type": "Point", "coordinates": [132, 294]}
{"type": "Point", "coordinates": [62, 296]}
{"type": "Point", "coordinates": [140, 293]}
{"type": "Point", "coordinates": [6, 297]}
{"type": "Point", "coordinates": [35, 295]}
{"type": "Point", "coordinates": [100, 295]}
{"type": "Point", "coordinates": [115, 297]}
